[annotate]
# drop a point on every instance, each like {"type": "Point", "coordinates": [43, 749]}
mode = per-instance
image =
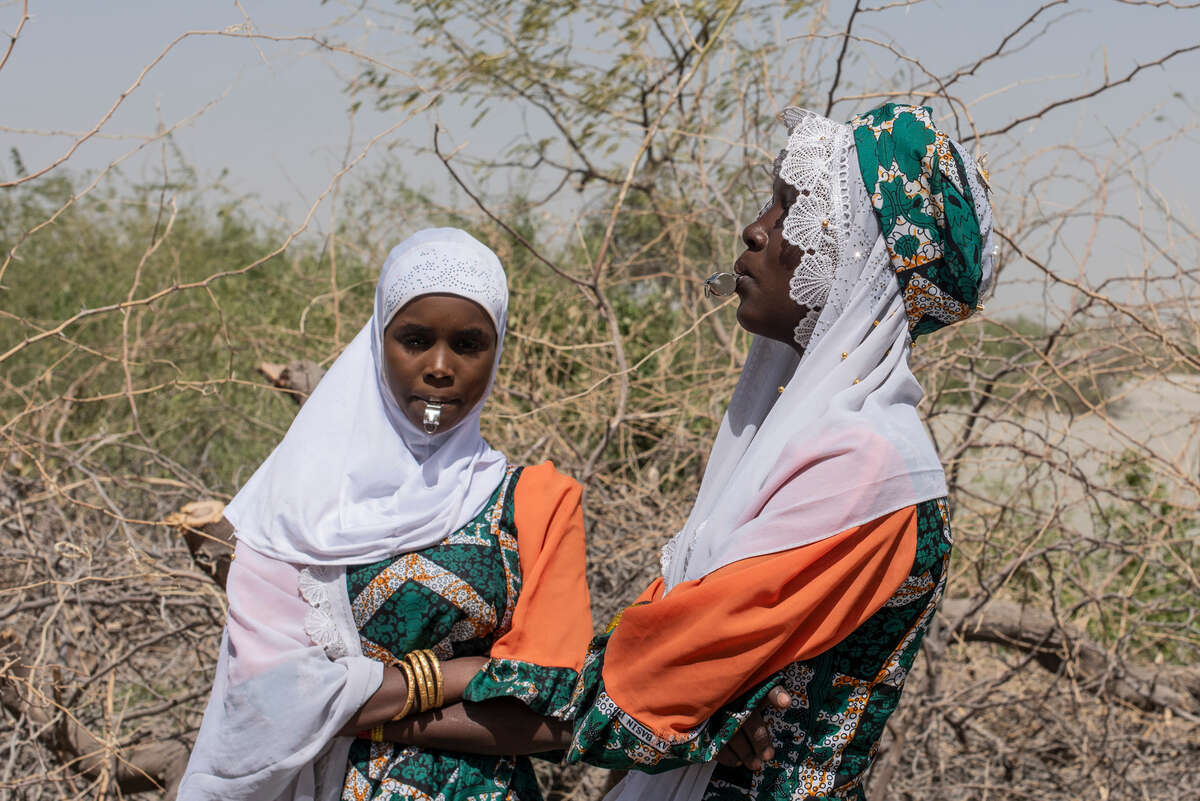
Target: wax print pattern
{"type": "Point", "coordinates": [918, 185]}
{"type": "Point", "coordinates": [456, 598]}
{"type": "Point", "coordinates": [841, 700]}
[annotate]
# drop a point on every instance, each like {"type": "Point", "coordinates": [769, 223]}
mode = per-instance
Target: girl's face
{"type": "Point", "coordinates": [765, 271]}
{"type": "Point", "coordinates": [439, 348]}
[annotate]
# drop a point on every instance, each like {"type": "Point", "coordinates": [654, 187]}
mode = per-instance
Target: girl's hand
{"type": "Point", "coordinates": [751, 745]}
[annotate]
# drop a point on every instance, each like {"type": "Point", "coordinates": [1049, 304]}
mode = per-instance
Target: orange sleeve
{"type": "Point", "coordinates": [552, 620]}
{"type": "Point", "coordinates": [673, 662]}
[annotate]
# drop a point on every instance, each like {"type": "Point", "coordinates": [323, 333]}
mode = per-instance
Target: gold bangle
{"type": "Point", "coordinates": [434, 674]}
{"type": "Point", "coordinates": [427, 678]}
{"type": "Point", "coordinates": [411, 692]}
{"type": "Point", "coordinates": [377, 734]}
{"type": "Point", "coordinates": [440, 695]}
{"type": "Point", "coordinates": [424, 685]}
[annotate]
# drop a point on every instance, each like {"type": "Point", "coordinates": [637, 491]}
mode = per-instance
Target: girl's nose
{"type": "Point", "coordinates": [438, 370]}
{"type": "Point", "coordinates": [755, 235]}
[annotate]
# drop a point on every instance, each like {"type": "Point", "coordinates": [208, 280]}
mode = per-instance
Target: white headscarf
{"type": "Point", "coordinates": [354, 481]}
{"type": "Point", "coordinates": [842, 443]}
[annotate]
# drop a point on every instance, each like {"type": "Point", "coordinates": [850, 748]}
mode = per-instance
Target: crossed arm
{"type": "Point", "coordinates": [497, 726]}
{"type": "Point", "coordinates": [873, 558]}
{"type": "Point", "coordinates": [506, 725]}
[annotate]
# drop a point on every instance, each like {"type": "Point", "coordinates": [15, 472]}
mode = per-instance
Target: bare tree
{"type": "Point", "coordinates": [154, 350]}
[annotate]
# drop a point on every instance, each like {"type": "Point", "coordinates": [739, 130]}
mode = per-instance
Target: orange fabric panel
{"type": "Point", "coordinates": [674, 662]}
{"type": "Point", "coordinates": [552, 620]}
{"type": "Point", "coordinates": [651, 593]}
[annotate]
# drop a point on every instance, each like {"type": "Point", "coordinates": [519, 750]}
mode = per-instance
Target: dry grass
{"type": "Point", "coordinates": [134, 317]}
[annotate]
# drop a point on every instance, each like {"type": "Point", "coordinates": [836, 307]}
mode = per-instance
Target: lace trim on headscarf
{"type": "Point", "coordinates": [814, 164]}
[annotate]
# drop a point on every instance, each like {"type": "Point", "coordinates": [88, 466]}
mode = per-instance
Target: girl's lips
{"type": "Point", "coordinates": [740, 270]}
{"type": "Point", "coordinates": [742, 277]}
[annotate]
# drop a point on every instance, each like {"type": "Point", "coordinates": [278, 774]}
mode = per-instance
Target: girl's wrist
{"type": "Point", "coordinates": [458, 673]}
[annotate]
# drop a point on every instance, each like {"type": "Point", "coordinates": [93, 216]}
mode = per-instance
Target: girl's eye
{"type": "Point", "coordinates": [414, 342]}
{"type": "Point", "coordinates": [784, 207]}
{"type": "Point", "coordinates": [468, 345]}
{"type": "Point", "coordinates": [786, 199]}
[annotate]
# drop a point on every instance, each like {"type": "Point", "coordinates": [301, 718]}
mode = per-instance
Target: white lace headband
{"type": "Point", "coordinates": [455, 265]}
{"type": "Point", "coordinates": [814, 164]}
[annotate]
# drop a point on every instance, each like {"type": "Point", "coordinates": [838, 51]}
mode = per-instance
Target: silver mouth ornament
{"type": "Point", "coordinates": [720, 285]}
{"type": "Point", "coordinates": [433, 416]}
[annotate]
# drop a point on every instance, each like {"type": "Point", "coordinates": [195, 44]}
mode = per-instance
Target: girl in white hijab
{"type": "Point", "coordinates": [815, 554]}
{"type": "Point", "coordinates": [397, 584]}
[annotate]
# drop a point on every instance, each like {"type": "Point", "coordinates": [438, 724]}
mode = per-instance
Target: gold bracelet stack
{"type": "Point", "coordinates": [426, 686]}
{"type": "Point", "coordinates": [430, 684]}
{"type": "Point", "coordinates": [439, 695]}
{"type": "Point", "coordinates": [418, 668]}
{"type": "Point", "coordinates": [411, 692]}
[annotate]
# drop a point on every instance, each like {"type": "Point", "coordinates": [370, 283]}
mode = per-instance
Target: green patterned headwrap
{"type": "Point", "coordinates": [920, 189]}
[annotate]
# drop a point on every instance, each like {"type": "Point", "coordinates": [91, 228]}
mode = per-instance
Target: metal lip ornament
{"type": "Point", "coordinates": [720, 285]}
{"type": "Point", "coordinates": [433, 416]}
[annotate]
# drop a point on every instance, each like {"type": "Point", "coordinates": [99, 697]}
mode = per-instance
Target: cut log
{"type": "Point", "coordinates": [209, 536]}
{"type": "Point", "coordinates": [299, 377]}
{"type": "Point", "coordinates": [151, 766]}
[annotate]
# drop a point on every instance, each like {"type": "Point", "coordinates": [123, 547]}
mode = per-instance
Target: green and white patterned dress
{"type": "Point", "coordinates": [467, 597]}
{"type": "Point", "coordinates": [841, 698]}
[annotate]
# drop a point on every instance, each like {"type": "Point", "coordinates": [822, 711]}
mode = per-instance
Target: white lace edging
{"type": "Point", "coordinates": [808, 324]}
{"type": "Point", "coordinates": [675, 555]}
{"type": "Point", "coordinates": [667, 553]}
{"type": "Point", "coordinates": [814, 163]}
{"type": "Point", "coordinates": [320, 623]}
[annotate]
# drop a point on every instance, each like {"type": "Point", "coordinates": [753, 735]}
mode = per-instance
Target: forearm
{"type": "Point", "coordinates": [501, 726]}
{"type": "Point", "coordinates": [392, 695]}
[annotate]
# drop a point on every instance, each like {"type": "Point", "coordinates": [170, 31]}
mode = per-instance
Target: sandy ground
{"type": "Point", "coordinates": [1154, 423]}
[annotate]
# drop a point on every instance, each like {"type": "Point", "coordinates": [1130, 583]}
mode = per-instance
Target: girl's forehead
{"type": "Point", "coordinates": [781, 188]}
{"type": "Point", "coordinates": [440, 309]}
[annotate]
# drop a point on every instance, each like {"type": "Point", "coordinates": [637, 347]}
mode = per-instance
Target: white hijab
{"type": "Point", "coordinates": [354, 481]}
{"type": "Point", "coordinates": [842, 444]}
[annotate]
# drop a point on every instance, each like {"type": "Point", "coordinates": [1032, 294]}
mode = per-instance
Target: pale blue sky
{"type": "Point", "coordinates": [280, 126]}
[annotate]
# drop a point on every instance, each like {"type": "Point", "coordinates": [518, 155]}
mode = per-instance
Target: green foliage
{"type": "Point", "coordinates": [192, 404]}
{"type": "Point", "coordinates": [1122, 565]}
{"type": "Point", "coordinates": [185, 362]}
{"type": "Point", "coordinates": [1152, 567]}
{"type": "Point", "coordinates": [598, 76]}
